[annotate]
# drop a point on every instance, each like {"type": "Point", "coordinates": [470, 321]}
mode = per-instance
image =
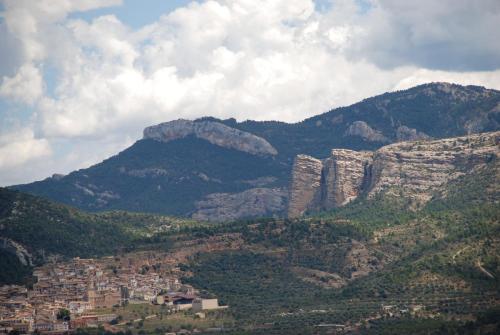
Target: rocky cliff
{"type": "Point", "coordinates": [413, 170]}
{"type": "Point", "coordinates": [213, 132]}
{"type": "Point", "coordinates": [16, 249]}
{"type": "Point", "coordinates": [345, 173]}
{"type": "Point", "coordinates": [255, 202]}
{"type": "Point", "coordinates": [305, 189]}
{"type": "Point", "coordinates": [416, 170]}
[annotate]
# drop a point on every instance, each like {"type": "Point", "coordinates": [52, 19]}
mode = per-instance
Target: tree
{"type": "Point", "coordinates": [64, 315]}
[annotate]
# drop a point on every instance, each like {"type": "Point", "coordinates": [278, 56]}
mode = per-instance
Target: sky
{"type": "Point", "coordinates": [80, 79]}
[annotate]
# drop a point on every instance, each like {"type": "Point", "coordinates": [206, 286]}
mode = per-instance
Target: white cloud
{"type": "Point", "coordinates": [249, 59]}
{"type": "Point", "coordinates": [451, 35]}
{"type": "Point", "coordinates": [20, 147]}
{"type": "Point", "coordinates": [26, 86]}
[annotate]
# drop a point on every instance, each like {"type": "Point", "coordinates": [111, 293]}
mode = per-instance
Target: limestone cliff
{"type": "Point", "coordinates": [416, 170]}
{"type": "Point", "coordinates": [305, 189]}
{"type": "Point", "coordinates": [363, 130]}
{"type": "Point", "coordinates": [254, 202]}
{"type": "Point", "coordinates": [213, 132]}
{"type": "Point", "coordinates": [330, 183]}
{"type": "Point", "coordinates": [345, 172]}
{"type": "Point", "coordinates": [413, 170]}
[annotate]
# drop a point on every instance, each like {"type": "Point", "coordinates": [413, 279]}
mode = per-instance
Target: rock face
{"type": "Point", "coordinates": [305, 189]}
{"type": "Point", "coordinates": [404, 133]}
{"type": "Point", "coordinates": [255, 202]}
{"type": "Point", "coordinates": [416, 170]}
{"type": "Point", "coordinates": [330, 183]}
{"type": "Point", "coordinates": [213, 132]}
{"type": "Point", "coordinates": [363, 130]}
{"type": "Point", "coordinates": [345, 173]}
{"type": "Point", "coordinates": [18, 250]}
{"type": "Point", "coordinates": [413, 170]}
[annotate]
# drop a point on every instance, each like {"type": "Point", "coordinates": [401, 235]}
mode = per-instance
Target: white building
{"type": "Point", "coordinates": [205, 304]}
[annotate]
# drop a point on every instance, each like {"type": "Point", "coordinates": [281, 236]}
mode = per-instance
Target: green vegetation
{"type": "Point", "coordinates": [12, 271]}
{"type": "Point", "coordinates": [155, 319]}
{"type": "Point", "coordinates": [64, 315]}
{"type": "Point", "coordinates": [46, 228]}
{"type": "Point", "coordinates": [190, 168]}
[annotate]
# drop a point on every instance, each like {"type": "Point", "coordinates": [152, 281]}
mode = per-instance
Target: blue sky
{"type": "Point", "coordinates": [136, 13]}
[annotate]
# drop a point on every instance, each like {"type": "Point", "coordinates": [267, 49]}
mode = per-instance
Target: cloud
{"type": "Point", "coordinates": [20, 147]}
{"type": "Point", "coordinates": [12, 53]}
{"type": "Point", "coordinates": [26, 86]}
{"type": "Point", "coordinates": [249, 59]}
{"type": "Point", "coordinates": [451, 35]}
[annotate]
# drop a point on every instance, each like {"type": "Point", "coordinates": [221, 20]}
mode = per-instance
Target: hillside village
{"type": "Point", "coordinates": [77, 293]}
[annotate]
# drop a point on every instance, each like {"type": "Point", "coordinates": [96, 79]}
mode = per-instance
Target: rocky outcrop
{"type": "Point", "coordinates": [345, 173]}
{"type": "Point", "coordinates": [213, 132]}
{"type": "Point", "coordinates": [363, 130]}
{"type": "Point", "coordinates": [24, 257]}
{"type": "Point", "coordinates": [404, 133]}
{"type": "Point", "coordinates": [413, 170]}
{"type": "Point", "coordinates": [144, 173]}
{"type": "Point", "coordinates": [101, 197]}
{"type": "Point", "coordinates": [255, 202]}
{"type": "Point", "coordinates": [416, 170]}
{"type": "Point", "coordinates": [305, 189]}
{"type": "Point", "coordinates": [330, 183]}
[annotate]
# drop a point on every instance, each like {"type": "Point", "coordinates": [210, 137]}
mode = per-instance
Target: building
{"type": "Point", "coordinates": [205, 304]}
{"type": "Point", "coordinates": [79, 307]}
{"type": "Point", "coordinates": [103, 299]}
{"type": "Point", "coordinates": [182, 302]}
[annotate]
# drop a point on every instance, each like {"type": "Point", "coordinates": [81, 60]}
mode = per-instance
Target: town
{"type": "Point", "coordinates": [79, 293]}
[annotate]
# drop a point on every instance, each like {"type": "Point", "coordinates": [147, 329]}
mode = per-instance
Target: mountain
{"type": "Point", "coordinates": [213, 169]}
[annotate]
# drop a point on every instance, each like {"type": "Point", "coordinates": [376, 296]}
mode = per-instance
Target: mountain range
{"type": "Point", "coordinates": [219, 170]}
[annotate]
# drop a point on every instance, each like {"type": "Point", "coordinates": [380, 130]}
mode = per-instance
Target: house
{"type": "Point", "coordinates": [61, 326]}
{"type": "Point", "coordinates": [85, 322]}
{"type": "Point", "coordinates": [22, 328]}
{"type": "Point", "coordinates": [103, 299]}
{"type": "Point", "coordinates": [205, 304]}
{"type": "Point", "coordinates": [44, 325]}
{"type": "Point", "coordinates": [182, 302]}
{"type": "Point", "coordinates": [79, 307]}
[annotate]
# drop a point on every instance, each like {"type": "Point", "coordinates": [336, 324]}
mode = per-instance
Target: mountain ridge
{"type": "Point", "coordinates": [182, 176]}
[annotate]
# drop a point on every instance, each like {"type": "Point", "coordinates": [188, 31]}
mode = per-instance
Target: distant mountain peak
{"type": "Point", "coordinates": [213, 132]}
